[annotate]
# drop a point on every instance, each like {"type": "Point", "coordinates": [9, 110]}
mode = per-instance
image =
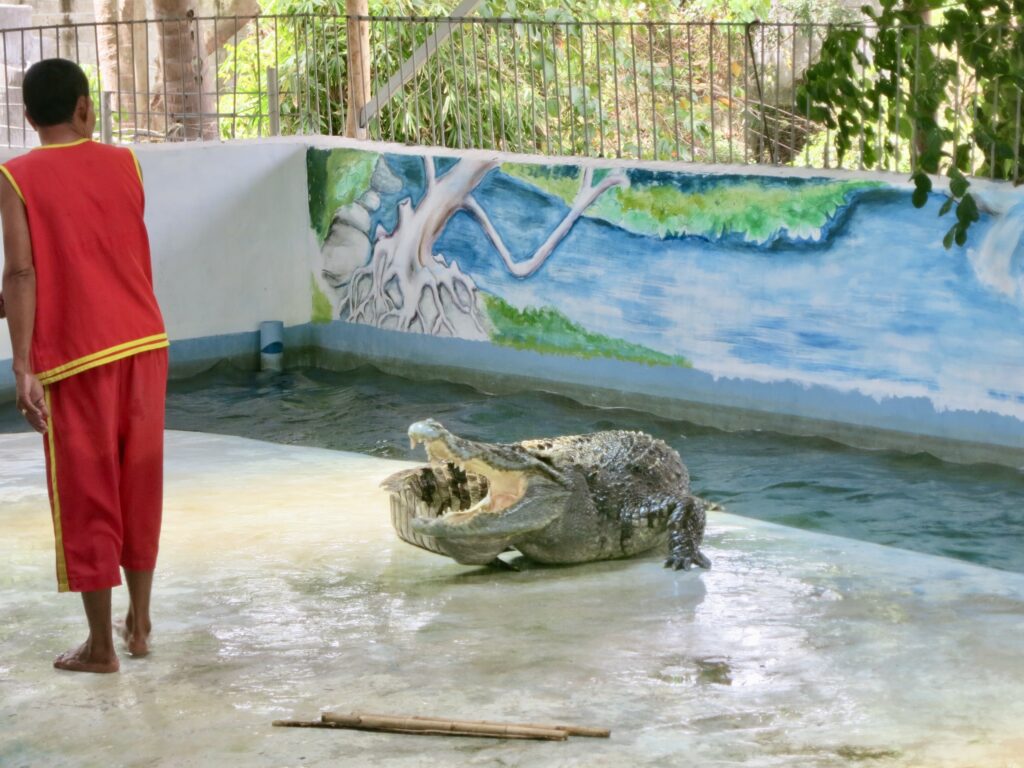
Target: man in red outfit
{"type": "Point", "coordinates": [90, 353]}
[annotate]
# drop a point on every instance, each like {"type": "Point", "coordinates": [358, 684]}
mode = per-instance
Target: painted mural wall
{"type": "Point", "coordinates": [824, 281]}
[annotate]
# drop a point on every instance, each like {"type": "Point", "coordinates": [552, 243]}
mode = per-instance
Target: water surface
{"type": "Point", "coordinates": [970, 512]}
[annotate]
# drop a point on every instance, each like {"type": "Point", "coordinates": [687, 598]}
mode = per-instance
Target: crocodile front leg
{"type": "Point", "coordinates": [686, 532]}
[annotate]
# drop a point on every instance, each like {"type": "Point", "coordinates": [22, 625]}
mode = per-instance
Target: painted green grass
{"type": "Point", "coordinates": [559, 180]}
{"type": "Point", "coordinates": [337, 177]}
{"type": "Point", "coordinates": [321, 304]}
{"type": "Point", "coordinates": [754, 210]}
{"type": "Point", "coordinates": [548, 330]}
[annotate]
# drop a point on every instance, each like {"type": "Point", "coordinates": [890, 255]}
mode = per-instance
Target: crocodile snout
{"type": "Point", "coordinates": [425, 432]}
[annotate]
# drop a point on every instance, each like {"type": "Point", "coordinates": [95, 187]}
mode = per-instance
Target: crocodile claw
{"type": "Point", "coordinates": [685, 561]}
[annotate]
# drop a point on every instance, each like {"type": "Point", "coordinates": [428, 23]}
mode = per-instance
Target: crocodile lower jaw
{"type": "Point", "coordinates": [504, 488]}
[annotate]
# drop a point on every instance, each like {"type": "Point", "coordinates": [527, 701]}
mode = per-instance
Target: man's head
{"type": "Point", "coordinates": [56, 92]}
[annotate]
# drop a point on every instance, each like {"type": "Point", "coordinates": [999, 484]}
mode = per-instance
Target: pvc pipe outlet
{"type": "Point", "coordinates": [271, 345]}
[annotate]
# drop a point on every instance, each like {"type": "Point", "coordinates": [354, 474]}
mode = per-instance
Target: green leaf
{"type": "Point", "coordinates": [947, 241]}
{"type": "Point", "coordinates": [967, 211]}
{"type": "Point", "coordinates": [922, 186]}
{"type": "Point", "coordinates": [906, 128]}
{"type": "Point", "coordinates": [958, 185]}
{"type": "Point", "coordinates": [946, 206]}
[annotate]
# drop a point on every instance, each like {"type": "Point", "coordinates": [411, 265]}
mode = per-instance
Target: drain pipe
{"type": "Point", "coordinates": [271, 345]}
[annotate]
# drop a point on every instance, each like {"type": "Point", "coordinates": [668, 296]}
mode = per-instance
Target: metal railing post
{"type": "Point", "coordinates": [106, 118]}
{"type": "Point", "coordinates": [273, 101]}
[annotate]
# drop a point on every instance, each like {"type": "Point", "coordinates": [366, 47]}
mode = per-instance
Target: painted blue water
{"type": "Point", "coordinates": [877, 307]}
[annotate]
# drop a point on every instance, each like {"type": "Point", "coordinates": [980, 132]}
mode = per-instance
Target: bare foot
{"type": "Point", "coordinates": [136, 641]}
{"type": "Point", "coordinates": [84, 659]}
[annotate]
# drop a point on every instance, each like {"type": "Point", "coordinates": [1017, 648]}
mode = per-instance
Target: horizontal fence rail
{"type": "Point", "coordinates": [698, 92]}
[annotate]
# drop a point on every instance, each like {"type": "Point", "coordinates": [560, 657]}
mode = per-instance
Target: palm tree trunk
{"type": "Point", "coordinates": [116, 56]}
{"type": "Point", "coordinates": [358, 65]}
{"type": "Point", "coordinates": [184, 100]}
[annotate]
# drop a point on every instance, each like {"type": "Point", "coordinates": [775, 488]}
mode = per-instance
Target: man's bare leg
{"type": "Point", "coordinates": [137, 624]}
{"type": "Point", "coordinates": [96, 654]}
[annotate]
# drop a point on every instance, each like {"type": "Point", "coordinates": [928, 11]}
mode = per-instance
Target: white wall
{"type": "Point", "coordinates": [229, 229]}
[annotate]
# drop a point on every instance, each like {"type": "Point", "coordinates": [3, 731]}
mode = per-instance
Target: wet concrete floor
{"type": "Point", "coordinates": [282, 591]}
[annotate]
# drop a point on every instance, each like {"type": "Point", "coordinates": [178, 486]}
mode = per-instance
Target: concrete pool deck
{"type": "Point", "coordinates": [282, 591]}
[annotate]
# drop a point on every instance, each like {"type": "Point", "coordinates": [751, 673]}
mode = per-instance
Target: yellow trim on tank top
{"type": "Point", "coordinates": [138, 168]}
{"type": "Point", "coordinates": [105, 360]}
{"type": "Point", "coordinates": [108, 355]}
{"type": "Point", "coordinates": [10, 178]}
{"type": "Point", "coordinates": [60, 146]}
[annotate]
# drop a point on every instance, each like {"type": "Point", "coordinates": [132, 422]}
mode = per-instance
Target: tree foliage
{"type": "Point", "coordinates": [930, 84]}
{"type": "Point", "coordinates": [648, 80]}
{"type": "Point", "coordinates": [499, 84]}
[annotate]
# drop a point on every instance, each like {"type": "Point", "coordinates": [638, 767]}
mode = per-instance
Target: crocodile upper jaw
{"type": "Point", "coordinates": [505, 488]}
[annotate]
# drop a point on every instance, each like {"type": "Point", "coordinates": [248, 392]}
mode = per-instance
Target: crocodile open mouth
{"type": "Point", "coordinates": [474, 499]}
{"type": "Point", "coordinates": [504, 488]}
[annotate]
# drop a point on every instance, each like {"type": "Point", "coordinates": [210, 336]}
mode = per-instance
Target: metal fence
{"type": "Point", "coordinates": [701, 92]}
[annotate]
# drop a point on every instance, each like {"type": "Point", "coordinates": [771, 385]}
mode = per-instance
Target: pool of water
{"type": "Point", "coordinates": [969, 512]}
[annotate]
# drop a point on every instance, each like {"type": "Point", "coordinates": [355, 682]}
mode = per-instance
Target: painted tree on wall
{"type": "Point", "coordinates": [407, 286]}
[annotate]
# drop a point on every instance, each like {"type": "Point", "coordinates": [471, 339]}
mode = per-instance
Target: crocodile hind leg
{"type": "Point", "coordinates": [686, 532]}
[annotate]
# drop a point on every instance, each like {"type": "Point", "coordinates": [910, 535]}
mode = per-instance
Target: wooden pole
{"type": "Point", "coordinates": [453, 727]}
{"type": "Point", "coordinates": [420, 57]}
{"type": "Point", "coordinates": [358, 66]}
{"type": "Point", "coordinates": [303, 724]}
{"type": "Point", "coordinates": [572, 730]}
{"type": "Point", "coordinates": [424, 729]}
{"type": "Point", "coordinates": [273, 101]}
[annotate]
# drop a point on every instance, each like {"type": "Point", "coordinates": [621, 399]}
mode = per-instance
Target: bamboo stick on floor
{"type": "Point", "coordinates": [428, 731]}
{"type": "Point", "coordinates": [303, 724]}
{"type": "Point", "coordinates": [460, 727]}
{"type": "Point", "coordinates": [572, 730]}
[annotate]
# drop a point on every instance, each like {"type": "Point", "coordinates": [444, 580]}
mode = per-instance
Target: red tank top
{"type": "Point", "coordinates": [94, 281]}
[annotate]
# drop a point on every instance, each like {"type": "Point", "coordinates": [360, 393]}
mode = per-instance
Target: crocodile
{"type": "Point", "coordinates": [560, 500]}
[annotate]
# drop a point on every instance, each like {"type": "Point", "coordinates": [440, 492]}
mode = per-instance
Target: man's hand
{"type": "Point", "coordinates": [32, 401]}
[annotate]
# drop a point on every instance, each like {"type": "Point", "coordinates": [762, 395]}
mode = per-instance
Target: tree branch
{"type": "Point", "coordinates": [584, 198]}
{"type": "Point", "coordinates": [429, 171]}
{"type": "Point", "coordinates": [471, 206]}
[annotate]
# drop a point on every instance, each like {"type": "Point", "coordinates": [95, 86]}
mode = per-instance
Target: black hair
{"type": "Point", "coordinates": [51, 90]}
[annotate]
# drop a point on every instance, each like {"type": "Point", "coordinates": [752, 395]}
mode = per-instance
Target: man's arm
{"type": "Point", "coordinates": [19, 292]}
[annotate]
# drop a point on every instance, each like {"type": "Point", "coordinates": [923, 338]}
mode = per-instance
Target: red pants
{"type": "Point", "coordinates": [104, 469]}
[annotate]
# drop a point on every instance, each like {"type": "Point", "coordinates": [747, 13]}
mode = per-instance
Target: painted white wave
{"type": "Point", "coordinates": [994, 261]}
